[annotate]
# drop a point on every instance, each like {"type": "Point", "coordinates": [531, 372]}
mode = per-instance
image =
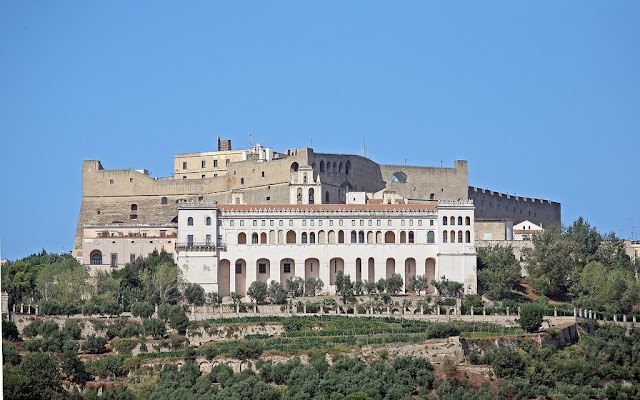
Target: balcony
{"type": "Point", "coordinates": [200, 246]}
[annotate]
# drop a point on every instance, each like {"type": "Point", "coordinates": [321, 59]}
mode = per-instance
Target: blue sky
{"type": "Point", "coordinates": [542, 98]}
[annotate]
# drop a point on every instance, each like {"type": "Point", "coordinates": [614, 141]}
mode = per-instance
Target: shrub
{"type": "Point", "coordinates": [530, 317]}
{"type": "Point", "coordinates": [9, 330]}
{"type": "Point", "coordinates": [72, 328]}
{"type": "Point", "coordinates": [142, 309]}
{"type": "Point", "coordinates": [32, 329]}
{"type": "Point", "coordinates": [95, 344]}
{"type": "Point", "coordinates": [154, 327]}
{"type": "Point", "coordinates": [508, 363]}
{"type": "Point", "coordinates": [47, 328]}
{"type": "Point", "coordinates": [194, 294]}
{"type": "Point", "coordinates": [178, 319]}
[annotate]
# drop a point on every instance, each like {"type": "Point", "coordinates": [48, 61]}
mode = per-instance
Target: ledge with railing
{"type": "Point", "coordinates": [200, 246]}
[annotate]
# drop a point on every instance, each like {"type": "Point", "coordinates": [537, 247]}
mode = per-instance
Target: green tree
{"type": "Point", "coordinates": [194, 294]}
{"type": "Point", "coordinates": [549, 262]}
{"type": "Point", "coordinates": [312, 286]}
{"type": "Point", "coordinates": [530, 317]}
{"type": "Point", "coordinates": [418, 283]}
{"type": "Point", "coordinates": [257, 291]}
{"type": "Point", "coordinates": [295, 286]}
{"type": "Point", "coordinates": [250, 351]}
{"type": "Point", "coordinates": [178, 319]}
{"type": "Point", "coordinates": [154, 327]}
{"type": "Point", "coordinates": [276, 293]}
{"type": "Point", "coordinates": [95, 344]}
{"type": "Point", "coordinates": [498, 270]}
{"type": "Point", "coordinates": [72, 328]}
{"type": "Point", "coordinates": [142, 309]}
{"type": "Point", "coordinates": [448, 288]}
{"type": "Point", "coordinates": [394, 284]}
{"type": "Point", "coordinates": [508, 363]}
{"type": "Point", "coordinates": [9, 330]}
{"type": "Point", "coordinates": [370, 287]}
{"type": "Point", "coordinates": [36, 377]}
{"type": "Point", "coordinates": [344, 287]}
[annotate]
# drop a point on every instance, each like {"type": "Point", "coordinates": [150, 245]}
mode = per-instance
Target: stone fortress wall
{"type": "Point", "coordinates": [495, 205]}
{"type": "Point", "coordinates": [130, 196]}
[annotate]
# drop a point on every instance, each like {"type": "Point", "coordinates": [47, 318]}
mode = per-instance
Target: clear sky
{"type": "Point", "coordinates": [541, 97]}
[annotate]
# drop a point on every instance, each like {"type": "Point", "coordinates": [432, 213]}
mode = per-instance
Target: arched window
{"type": "Point", "coordinates": [467, 221]}
{"type": "Point", "coordinates": [294, 167]}
{"type": "Point", "coordinates": [361, 237]}
{"type": "Point", "coordinates": [134, 207]}
{"type": "Point", "coordinates": [468, 236]}
{"type": "Point", "coordinates": [242, 238]}
{"type": "Point", "coordinates": [312, 237]}
{"type": "Point", "coordinates": [190, 221]}
{"type": "Point", "coordinates": [291, 237]}
{"type": "Point", "coordinates": [452, 236]}
{"type": "Point", "coordinates": [399, 177]}
{"type": "Point", "coordinates": [304, 179]}
{"type": "Point", "coordinates": [242, 181]}
{"type": "Point", "coordinates": [432, 196]}
{"type": "Point", "coordinates": [431, 237]}
{"type": "Point", "coordinates": [340, 236]}
{"type": "Point", "coordinates": [444, 220]}
{"type": "Point", "coordinates": [313, 165]}
{"type": "Point", "coordinates": [347, 167]}
{"type": "Point", "coordinates": [254, 238]}
{"type": "Point", "coordinates": [311, 200]}
{"type": "Point", "coordinates": [452, 220]}
{"type": "Point", "coordinates": [403, 237]}
{"type": "Point", "coordinates": [304, 237]}
{"type": "Point", "coordinates": [389, 237]}
{"type": "Point", "coordinates": [411, 237]}
{"type": "Point", "coordinates": [299, 196]}
{"type": "Point", "coordinates": [459, 236]}
{"type": "Point", "coordinates": [353, 237]}
{"type": "Point", "coordinates": [444, 236]}
{"type": "Point", "coordinates": [321, 165]}
{"type": "Point", "coordinates": [208, 221]}
{"type": "Point", "coordinates": [96, 257]}
{"type": "Point", "coordinates": [335, 167]}
{"type": "Point", "coordinates": [326, 197]}
{"type": "Point", "coordinates": [263, 238]}
{"type": "Point", "coordinates": [163, 200]}
{"type": "Point", "coordinates": [340, 167]}
{"type": "Point", "coordinates": [459, 220]}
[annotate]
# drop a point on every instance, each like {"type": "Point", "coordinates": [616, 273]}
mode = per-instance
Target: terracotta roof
{"type": "Point", "coordinates": [327, 207]}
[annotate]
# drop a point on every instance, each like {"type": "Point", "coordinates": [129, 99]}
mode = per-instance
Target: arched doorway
{"type": "Point", "coordinates": [263, 270]}
{"type": "Point", "coordinates": [287, 270]}
{"type": "Point", "coordinates": [241, 276]}
{"type": "Point", "coordinates": [430, 273]}
{"type": "Point", "coordinates": [391, 267]}
{"type": "Point", "coordinates": [335, 265]}
{"type": "Point", "coordinates": [409, 270]}
{"type": "Point", "coordinates": [223, 278]}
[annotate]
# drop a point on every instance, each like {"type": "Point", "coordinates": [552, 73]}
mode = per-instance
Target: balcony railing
{"type": "Point", "coordinates": [200, 246]}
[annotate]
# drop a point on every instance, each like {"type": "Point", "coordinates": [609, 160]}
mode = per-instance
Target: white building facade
{"type": "Point", "coordinates": [225, 248]}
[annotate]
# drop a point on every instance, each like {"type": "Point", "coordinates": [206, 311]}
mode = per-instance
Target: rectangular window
{"type": "Point", "coordinates": [304, 222]}
{"type": "Point", "coordinates": [353, 222]}
{"type": "Point", "coordinates": [402, 223]}
{"type": "Point", "coordinates": [370, 223]}
{"type": "Point", "coordinates": [203, 176]}
{"type": "Point", "coordinates": [231, 222]}
{"type": "Point", "coordinates": [163, 234]}
{"type": "Point", "coordinates": [215, 163]}
{"type": "Point", "coordinates": [263, 223]}
{"type": "Point", "coordinates": [410, 222]}
{"type": "Point", "coordinates": [430, 222]}
{"type": "Point", "coordinates": [281, 222]}
{"type": "Point", "coordinates": [227, 161]}
{"type": "Point", "coordinates": [340, 223]}
{"type": "Point", "coordinates": [114, 259]}
{"type": "Point", "coordinates": [219, 239]}
{"type": "Point", "coordinates": [184, 165]}
{"type": "Point", "coordinates": [189, 240]}
{"type": "Point", "coordinates": [419, 222]}
{"type": "Point", "coordinates": [311, 222]}
{"type": "Point", "coordinates": [319, 222]}
{"type": "Point", "coordinates": [330, 222]}
{"type": "Point", "coordinates": [262, 268]}
{"type": "Point", "coordinates": [144, 234]}
{"type": "Point", "coordinates": [208, 240]}
{"type": "Point", "coordinates": [271, 222]}
{"type": "Point", "coordinates": [203, 164]}
{"type": "Point", "coordinates": [241, 222]}
{"type": "Point", "coordinates": [389, 222]}
{"type": "Point", "coordinates": [290, 222]}
{"type": "Point", "coordinates": [361, 222]}
{"type": "Point", "coordinates": [238, 268]}
{"type": "Point", "coordinates": [255, 222]}
{"type": "Point", "coordinates": [286, 268]}
{"type": "Point", "coordinates": [378, 222]}
{"type": "Point", "coordinates": [219, 222]}
{"type": "Point", "coordinates": [132, 258]}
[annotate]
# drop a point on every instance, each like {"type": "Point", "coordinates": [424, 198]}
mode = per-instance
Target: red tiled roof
{"type": "Point", "coordinates": [328, 207]}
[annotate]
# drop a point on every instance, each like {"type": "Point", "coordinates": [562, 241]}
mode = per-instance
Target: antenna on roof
{"type": "Point", "coordinates": [364, 147]}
